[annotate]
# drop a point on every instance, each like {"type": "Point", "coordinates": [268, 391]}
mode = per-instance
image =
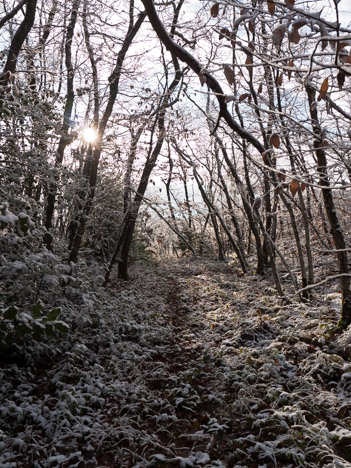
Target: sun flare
{"type": "Point", "coordinates": [89, 134]}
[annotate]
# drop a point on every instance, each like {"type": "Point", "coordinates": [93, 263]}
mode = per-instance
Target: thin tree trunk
{"type": "Point", "coordinates": [114, 80]}
{"type": "Point", "coordinates": [335, 227]}
{"type": "Point", "coordinates": [52, 189]}
{"type": "Point", "coordinates": [17, 41]}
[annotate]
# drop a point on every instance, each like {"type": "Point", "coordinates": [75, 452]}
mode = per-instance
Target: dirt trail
{"type": "Point", "coordinates": [188, 365]}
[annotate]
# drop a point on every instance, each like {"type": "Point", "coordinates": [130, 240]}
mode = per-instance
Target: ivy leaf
{"type": "Point", "coordinates": [22, 330]}
{"type": "Point", "coordinates": [61, 327]}
{"type": "Point", "coordinates": [10, 313]}
{"type": "Point", "coordinates": [53, 314]}
{"type": "Point", "coordinates": [36, 310]}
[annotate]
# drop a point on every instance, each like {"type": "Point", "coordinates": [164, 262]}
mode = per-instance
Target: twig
{"type": "Point", "coordinates": [328, 278]}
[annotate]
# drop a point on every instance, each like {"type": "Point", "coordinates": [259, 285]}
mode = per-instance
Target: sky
{"type": "Point", "coordinates": [345, 12]}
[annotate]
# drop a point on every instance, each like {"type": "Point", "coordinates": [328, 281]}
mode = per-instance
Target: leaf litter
{"type": "Point", "coordinates": [190, 364]}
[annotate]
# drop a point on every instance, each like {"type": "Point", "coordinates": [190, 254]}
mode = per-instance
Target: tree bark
{"type": "Point", "coordinates": [93, 165]}
{"type": "Point", "coordinates": [335, 227]}
{"type": "Point", "coordinates": [52, 189]}
{"type": "Point", "coordinates": [18, 40]}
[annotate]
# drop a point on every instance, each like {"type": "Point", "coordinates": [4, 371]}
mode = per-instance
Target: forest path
{"type": "Point", "coordinates": [234, 365]}
{"type": "Point", "coordinates": [190, 364]}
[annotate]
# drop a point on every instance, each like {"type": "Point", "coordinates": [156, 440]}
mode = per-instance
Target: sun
{"type": "Point", "coordinates": [89, 134]}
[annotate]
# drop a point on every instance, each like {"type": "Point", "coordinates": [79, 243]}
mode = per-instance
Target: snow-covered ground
{"type": "Point", "coordinates": [190, 364]}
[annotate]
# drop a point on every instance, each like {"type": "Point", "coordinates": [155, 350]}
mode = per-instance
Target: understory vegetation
{"type": "Point", "coordinates": [186, 367]}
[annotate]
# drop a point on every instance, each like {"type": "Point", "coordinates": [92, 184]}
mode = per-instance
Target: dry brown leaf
{"type": "Point", "coordinates": [259, 91]}
{"type": "Point", "coordinates": [341, 45]}
{"type": "Point", "coordinates": [281, 175]}
{"type": "Point", "coordinates": [229, 74]}
{"type": "Point", "coordinates": [202, 78]}
{"type": "Point", "coordinates": [275, 140]}
{"type": "Point", "coordinates": [215, 10]}
{"type": "Point", "coordinates": [303, 186]}
{"type": "Point", "coordinates": [280, 79]}
{"type": "Point", "coordinates": [278, 189]}
{"type": "Point", "coordinates": [324, 88]}
{"type": "Point", "coordinates": [232, 37]}
{"type": "Point", "coordinates": [248, 63]}
{"type": "Point", "coordinates": [289, 3]}
{"type": "Point", "coordinates": [341, 78]}
{"type": "Point", "coordinates": [278, 34]}
{"type": "Point", "coordinates": [243, 97]}
{"type": "Point", "coordinates": [224, 32]}
{"type": "Point", "coordinates": [271, 7]}
{"type": "Point", "coordinates": [251, 27]}
{"type": "Point", "coordinates": [294, 36]}
{"type": "Point", "coordinates": [294, 187]}
{"type": "Point", "coordinates": [343, 55]}
{"type": "Point", "coordinates": [299, 22]}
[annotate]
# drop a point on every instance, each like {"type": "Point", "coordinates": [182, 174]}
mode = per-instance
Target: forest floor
{"type": "Point", "coordinates": [189, 364]}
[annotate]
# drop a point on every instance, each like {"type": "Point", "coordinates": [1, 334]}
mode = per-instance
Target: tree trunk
{"type": "Point", "coordinates": [52, 189]}
{"type": "Point", "coordinates": [114, 79]}
{"type": "Point", "coordinates": [335, 227]}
